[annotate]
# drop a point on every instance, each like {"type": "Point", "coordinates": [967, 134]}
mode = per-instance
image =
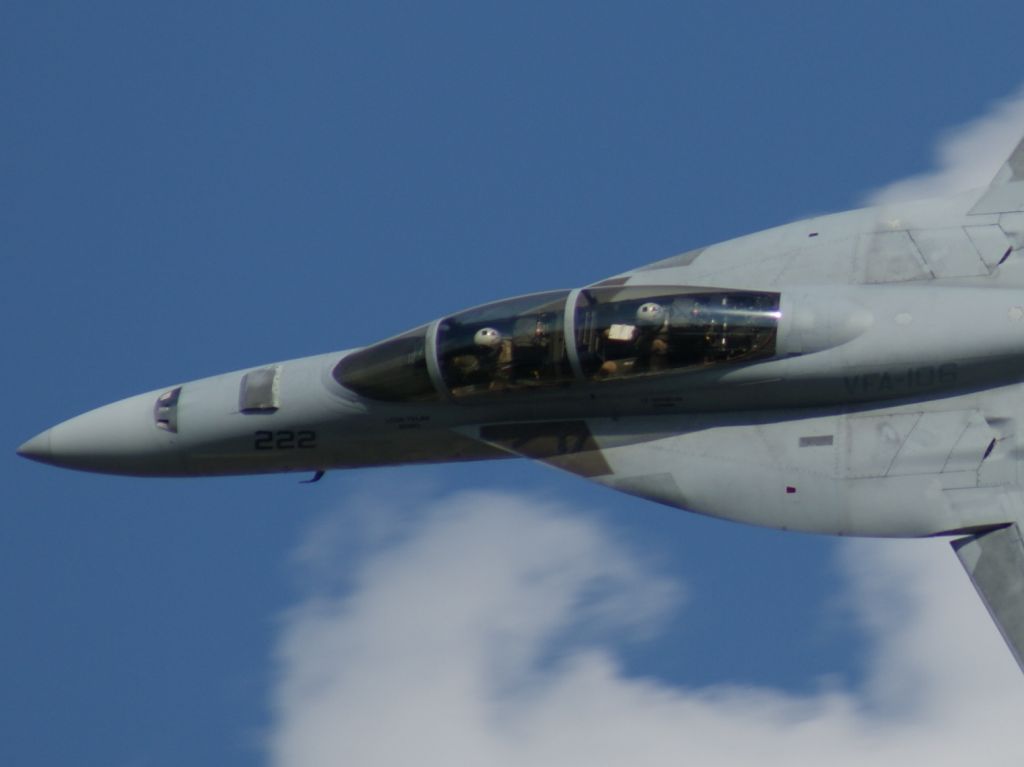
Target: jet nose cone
{"type": "Point", "coordinates": [119, 438]}
{"type": "Point", "coordinates": [37, 448]}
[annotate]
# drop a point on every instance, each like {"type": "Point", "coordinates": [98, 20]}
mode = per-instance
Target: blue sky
{"type": "Point", "coordinates": [191, 189]}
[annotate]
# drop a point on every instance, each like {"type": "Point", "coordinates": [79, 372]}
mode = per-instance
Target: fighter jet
{"type": "Point", "coordinates": [860, 373]}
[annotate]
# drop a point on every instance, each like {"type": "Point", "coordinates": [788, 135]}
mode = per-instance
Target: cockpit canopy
{"type": "Point", "coordinates": [554, 339]}
{"type": "Point", "coordinates": [514, 344]}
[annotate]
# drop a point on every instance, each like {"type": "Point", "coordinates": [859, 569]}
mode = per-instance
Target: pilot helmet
{"type": "Point", "coordinates": [651, 315]}
{"type": "Point", "coordinates": [488, 338]}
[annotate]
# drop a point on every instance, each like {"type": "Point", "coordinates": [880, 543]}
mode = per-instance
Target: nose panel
{"type": "Point", "coordinates": [37, 448]}
{"type": "Point", "coordinates": [120, 438]}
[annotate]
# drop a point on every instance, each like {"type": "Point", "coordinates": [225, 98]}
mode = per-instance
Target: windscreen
{"type": "Point", "coordinates": [394, 370]}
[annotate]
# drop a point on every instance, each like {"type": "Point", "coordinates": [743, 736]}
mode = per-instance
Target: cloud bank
{"type": "Point", "coordinates": [486, 631]}
{"type": "Point", "coordinates": [485, 636]}
{"type": "Point", "coordinates": [966, 157]}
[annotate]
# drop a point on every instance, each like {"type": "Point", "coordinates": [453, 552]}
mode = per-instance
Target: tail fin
{"type": "Point", "coordinates": [1006, 192]}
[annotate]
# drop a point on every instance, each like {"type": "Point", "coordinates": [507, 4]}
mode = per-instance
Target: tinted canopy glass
{"type": "Point", "coordinates": [393, 370]}
{"type": "Point", "coordinates": [631, 331]}
{"type": "Point", "coordinates": [520, 344]}
{"type": "Point", "coordinates": [505, 346]}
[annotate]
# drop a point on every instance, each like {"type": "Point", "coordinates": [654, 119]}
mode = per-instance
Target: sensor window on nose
{"type": "Point", "coordinates": [165, 411]}
{"type": "Point", "coordinates": [258, 391]}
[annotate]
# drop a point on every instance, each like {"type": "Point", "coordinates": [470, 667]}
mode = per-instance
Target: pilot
{"type": "Point", "coordinates": [651, 315]}
{"type": "Point", "coordinates": [477, 365]}
{"type": "Point", "coordinates": [652, 342]}
{"type": "Point", "coordinates": [493, 358]}
{"type": "Point", "coordinates": [487, 338]}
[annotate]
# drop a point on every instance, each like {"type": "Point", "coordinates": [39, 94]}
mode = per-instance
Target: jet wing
{"type": "Point", "coordinates": [994, 560]}
{"type": "Point", "coordinates": [955, 237]}
{"type": "Point", "coordinates": [923, 468]}
{"type": "Point", "coordinates": [946, 467]}
{"type": "Point", "coordinates": [901, 242]}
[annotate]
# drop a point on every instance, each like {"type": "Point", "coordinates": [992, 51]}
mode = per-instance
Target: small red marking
{"type": "Point", "coordinates": [790, 489]}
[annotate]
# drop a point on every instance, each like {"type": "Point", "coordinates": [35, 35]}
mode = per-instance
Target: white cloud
{"type": "Point", "coordinates": [966, 157]}
{"type": "Point", "coordinates": [441, 653]}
